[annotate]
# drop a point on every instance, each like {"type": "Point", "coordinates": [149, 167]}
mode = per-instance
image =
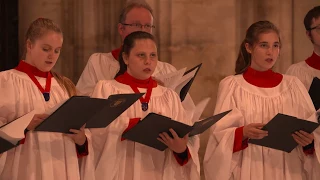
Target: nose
{"type": "Point", "coordinates": [147, 60]}
{"type": "Point", "coordinates": [270, 50]}
{"type": "Point", "coordinates": [50, 55]}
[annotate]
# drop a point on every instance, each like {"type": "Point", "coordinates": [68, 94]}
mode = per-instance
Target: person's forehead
{"type": "Point", "coordinates": [138, 13]}
{"type": "Point", "coordinates": [315, 21]}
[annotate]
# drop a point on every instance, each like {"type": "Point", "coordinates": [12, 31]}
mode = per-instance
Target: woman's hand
{"type": "Point", "coordinates": [78, 136]}
{"type": "Point", "coordinates": [303, 138]}
{"type": "Point", "coordinates": [253, 131]}
{"type": "Point", "coordinates": [176, 144]}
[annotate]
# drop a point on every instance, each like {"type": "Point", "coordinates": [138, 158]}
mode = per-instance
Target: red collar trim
{"type": "Point", "coordinates": [314, 61]}
{"type": "Point", "coordinates": [264, 79]}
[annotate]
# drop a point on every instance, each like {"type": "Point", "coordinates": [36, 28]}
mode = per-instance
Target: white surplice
{"type": "Point", "coordinates": [304, 73]}
{"type": "Point", "coordinates": [103, 66]}
{"type": "Point", "coordinates": [44, 155]}
{"type": "Point", "coordinates": [252, 104]}
{"type": "Point", "coordinates": [114, 159]}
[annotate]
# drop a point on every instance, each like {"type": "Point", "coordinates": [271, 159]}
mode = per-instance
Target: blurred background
{"type": "Point", "coordinates": [188, 32]}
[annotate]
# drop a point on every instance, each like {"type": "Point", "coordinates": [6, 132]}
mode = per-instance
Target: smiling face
{"type": "Point", "coordinates": [44, 52]}
{"type": "Point", "coordinates": [142, 59]}
{"type": "Point", "coordinates": [265, 52]}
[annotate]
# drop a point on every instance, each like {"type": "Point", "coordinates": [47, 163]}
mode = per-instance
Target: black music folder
{"type": "Point", "coordinates": [314, 92]}
{"type": "Point", "coordinates": [94, 112]}
{"type": "Point", "coordinates": [280, 130]}
{"type": "Point", "coordinates": [184, 91]}
{"type": "Point", "coordinates": [147, 131]}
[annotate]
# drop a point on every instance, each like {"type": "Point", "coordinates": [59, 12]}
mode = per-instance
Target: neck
{"type": "Point", "coordinates": [314, 61]}
{"type": "Point", "coordinates": [25, 67]}
{"type": "Point", "coordinates": [127, 79]}
{"type": "Point", "coordinates": [136, 78]}
{"type": "Point", "coordinates": [316, 50]}
{"type": "Point", "coordinates": [28, 61]}
{"type": "Point", "coordinates": [263, 79]}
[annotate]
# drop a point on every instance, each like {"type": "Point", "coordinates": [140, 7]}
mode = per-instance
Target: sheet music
{"type": "Point", "coordinates": [14, 131]}
{"type": "Point", "coordinates": [171, 80]}
{"type": "Point", "coordinates": [197, 112]}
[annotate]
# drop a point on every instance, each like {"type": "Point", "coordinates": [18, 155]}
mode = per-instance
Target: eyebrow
{"type": "Point", "coordinates": [267, 42]}
{"type": "Point", "coordinates": [50, 46]}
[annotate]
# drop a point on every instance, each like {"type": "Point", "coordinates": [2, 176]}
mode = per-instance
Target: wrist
{"type": "Point", "coordinates": [182, 150]}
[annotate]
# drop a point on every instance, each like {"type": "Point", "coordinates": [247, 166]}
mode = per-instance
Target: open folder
{"type": "Point", "coordinates": [280, 130]}
{"type": "Point", "coordinates": [180, 81]}
{"type": "Point", "coordinates": [147, 130]}
{"type": "Point", "coordinates": [94, 112]}
{"type": "Point", "coordinates": [314, 92]}
{"type": "Point", "coordinates": [12, 132]}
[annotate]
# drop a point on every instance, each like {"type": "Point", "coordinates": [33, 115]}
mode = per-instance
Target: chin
{"type": "Point", "coordinates": [45, 69]}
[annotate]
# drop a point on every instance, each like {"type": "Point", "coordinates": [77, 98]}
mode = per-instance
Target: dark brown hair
{"type": "Point", "coordinates": [252, 37]}
{"type": "Point", "coordinates": [313, 13]}
{"type": "Point", "coordinates": [128, 44]}
{"type": "Point", "coordinates": [35, 31]}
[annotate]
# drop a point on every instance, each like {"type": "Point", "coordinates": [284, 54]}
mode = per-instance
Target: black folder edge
{"type": "Point", "coordinates": [146, 120]}
{"type": "Point", "coordinates": [252, 141]}
{"type": "Point", "coordinates": [218, 116]}
{"type": "Point", "coordinates": [314, 91]}
{"type": "Point", "coordinates": [111, 98]}
{"type": "Point", "coordinates": [58, 110]}
{"type": "Point", "coordinates": [209, 121]}
{"type": "Point", "coordinates": [184, 91]}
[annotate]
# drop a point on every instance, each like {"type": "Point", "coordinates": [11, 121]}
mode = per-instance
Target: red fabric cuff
{"type": "Point", "coordinates": [308, 151]}
{"type": "Point", "coordinates": [132, 123]}
{"type": "Point", "coordinates": [82, 150]}
{"type": "Point", "coordinates": [22, 141]}
{"type": "Point", "coordinates": [239, 144]}
{"type": "Point", "coordinates": [182, 161]}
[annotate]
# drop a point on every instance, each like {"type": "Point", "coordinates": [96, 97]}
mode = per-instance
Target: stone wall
{"type": "Point", "coordinates": [189, 32]}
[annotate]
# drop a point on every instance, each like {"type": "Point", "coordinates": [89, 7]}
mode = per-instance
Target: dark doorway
{"type": "Point", "coordinates": [9, 40]}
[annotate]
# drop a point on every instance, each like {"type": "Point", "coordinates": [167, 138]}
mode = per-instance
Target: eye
{"type": "Point", "coordinates": [45, 49]}
{"type": "Point", "coordinates": [57, 51]}
{"type": "Point", "coordinates": [141, 55]}
{"type": "Point", "coordinates": [263, 45]}
{"type": "Point", "coordinates": [276, 45]}
{"type": "Point", "coordinates": [153, 55]}
{"type": "Point", "coordinates": [137, 25]}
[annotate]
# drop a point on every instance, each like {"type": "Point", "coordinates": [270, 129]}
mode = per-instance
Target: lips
{"type": "Point", "coordinates": [48, 62]}
{"type": "Point", "coordinates": [269, 60]}
{"type": "Point", "coordinates": [146, 70]}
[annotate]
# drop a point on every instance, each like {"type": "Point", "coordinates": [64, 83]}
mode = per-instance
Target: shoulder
{"type": "Point", "coordinates": [297, 68]}
{"type": "Point", "coordinates": [229, 80]}
{"type": "Point", "coordinates": [102, 58]}
{"type": "Point", "coordinates": [165, 68]}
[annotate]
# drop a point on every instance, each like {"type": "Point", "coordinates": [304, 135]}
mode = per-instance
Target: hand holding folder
{"type": "Point", "coordinates": [80, 110]}
{"type": "Point", "coordinates": [147, 131]}
{"type": "Point", "coordinates": [280, 130]}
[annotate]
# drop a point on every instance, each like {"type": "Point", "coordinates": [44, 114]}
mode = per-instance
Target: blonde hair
{"type": "Point", "coordinates": [35, 31]}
